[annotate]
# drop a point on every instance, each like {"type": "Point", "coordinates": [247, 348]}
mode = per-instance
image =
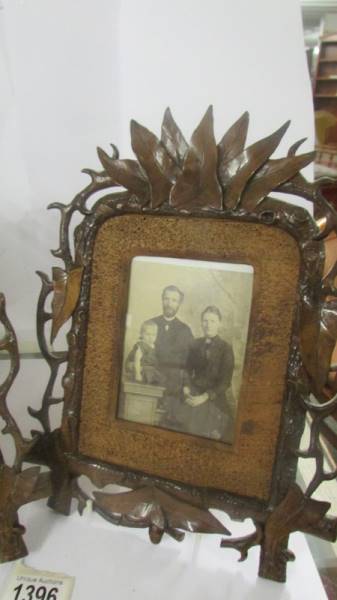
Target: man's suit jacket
{"type": "Point", "coordinates": [173, 343]}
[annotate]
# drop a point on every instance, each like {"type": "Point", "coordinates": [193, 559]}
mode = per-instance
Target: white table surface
{"type": "Point", "coordinates": [117, 562]}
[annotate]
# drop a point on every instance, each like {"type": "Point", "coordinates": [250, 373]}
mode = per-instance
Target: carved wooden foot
{"type": "Point", "coordinates": [273, 562]}
{"type": "Point", "coordinates": [62, 491]}
{"type": "Point", "coordinates": [12, 546]}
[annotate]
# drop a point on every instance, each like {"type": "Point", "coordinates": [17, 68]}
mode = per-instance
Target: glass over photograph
{"type": "Point", "coordinates": [184, 346]}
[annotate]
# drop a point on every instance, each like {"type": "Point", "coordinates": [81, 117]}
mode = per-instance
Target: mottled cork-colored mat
{"type": "Point", "coordinates": [245, 467]}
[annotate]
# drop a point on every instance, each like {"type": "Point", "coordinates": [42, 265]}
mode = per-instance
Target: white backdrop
{"type": "Point", "coordinates": [73, 73]}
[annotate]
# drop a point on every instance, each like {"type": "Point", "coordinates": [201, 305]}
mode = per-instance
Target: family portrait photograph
{"type": "Point", "coordinates": [184, 346]}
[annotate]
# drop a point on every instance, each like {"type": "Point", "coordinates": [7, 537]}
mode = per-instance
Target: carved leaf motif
{"type": "Point", "coordinates": [99, 179]}
{"type": "Point", "coordinates": [152, 506]}
{"type": "Point", "coordinates": [173, 139]}
{"type": "Point", "coordinates": [248, 162]}
{"type": "Point", "coordinates": [198, 185]}
{"type": "Point", "coordinates": [232, 145]}
{"type": "Point", "coordinates": [295, 146]}
{"type": "Point", "coordinates": [16, 488]}
{"type": "Point", "coordinates": [126, 173]}
{"type": "Point", "coordinates": [298, 513]}
{"type": "Point", "coordinates": [298, 184]}
{"type": "Point", "coordinates": [271, 175]}
{"type": "Point", "coordinates": [66, 293]}
{"type": "Point", "coordinates": [156, 162]}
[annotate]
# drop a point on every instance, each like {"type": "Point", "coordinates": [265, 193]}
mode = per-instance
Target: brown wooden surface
{"type": "Point", "coordinates": [325, 84]}
{"type": "Point", "coordinates": [245, 468]}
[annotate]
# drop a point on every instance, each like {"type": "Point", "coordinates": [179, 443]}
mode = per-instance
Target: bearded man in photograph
{"type": "Point", "coordinates": [174, 340]}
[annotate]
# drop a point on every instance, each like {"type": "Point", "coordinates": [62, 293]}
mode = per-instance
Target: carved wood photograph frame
{"type": "Point", "coordinates": [201, 201]}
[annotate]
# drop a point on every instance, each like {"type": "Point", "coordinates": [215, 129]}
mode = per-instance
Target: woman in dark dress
{"type": "Point", "coordinates": [209, 371]}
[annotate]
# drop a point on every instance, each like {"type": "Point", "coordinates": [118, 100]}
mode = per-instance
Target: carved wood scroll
{"type": "Point", "coordinates": [226, 180]}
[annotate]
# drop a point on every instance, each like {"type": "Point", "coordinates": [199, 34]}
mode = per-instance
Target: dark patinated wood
{"type": "Point", "coordinates": [16, 485]}
{"type": "Point", "coordinates": [152, 507]}
{"type": "Point", "coordinates": [9, 344]}
{"type": "Point", "coordinates": [244, 543]}
{"type": "Point", "coordinates": [66, 293]}
{"type": "Point", "coordinates": [16, 489]}
{"type": "Point", "coordinates": [228, 185]}
{"type": "Point", "coordinates": [296, 512]}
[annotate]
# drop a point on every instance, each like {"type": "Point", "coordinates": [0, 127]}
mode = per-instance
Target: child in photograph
{"type": "Point", "coordinates": [142, 362]}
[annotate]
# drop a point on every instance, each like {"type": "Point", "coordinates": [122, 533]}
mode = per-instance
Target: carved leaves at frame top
{"type": "Point", "coordinates": [202, 174]}
{"type": "Point", "coordinates": [197, 184]}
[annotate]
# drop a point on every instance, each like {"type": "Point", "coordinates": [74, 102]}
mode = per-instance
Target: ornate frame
{"type": "Point", "coordinates": [205, 180]}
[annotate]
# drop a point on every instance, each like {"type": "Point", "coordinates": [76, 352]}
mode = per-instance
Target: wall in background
{"type": "Point", "coordinates": [73, 73]}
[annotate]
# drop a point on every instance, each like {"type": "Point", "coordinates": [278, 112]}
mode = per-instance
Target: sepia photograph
{"type": "Point", "coordinates": [184, 346]}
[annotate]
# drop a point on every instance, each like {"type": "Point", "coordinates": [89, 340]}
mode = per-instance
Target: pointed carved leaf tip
{"type": "Point", "coordinates": [156, 162]}
{"type": "Point", "coordinates": [271, 175]}
{"type": "Point", "coordinates": [297, 512]}
{"type": "Point", "coordinates": [198, 184]}
{"type": "Point", "coordinates": [293, 149]}
{"type": "Point", "coordinates": [173, 139]}
{"type": "Point", "coordinates": [101, 179]}
{"type": "Point", "coordinates": [297, 184]}
{"type": "Point", "coordinates": [185, 516]}
{"type": "Point", "coordinates": [248, 162]}
{"type": "Point", "coordinates": [66, 293]}
{"type": "Point", "coordinates": [231, 146]}
{"type": "Point", "coordinates": [126, 173]}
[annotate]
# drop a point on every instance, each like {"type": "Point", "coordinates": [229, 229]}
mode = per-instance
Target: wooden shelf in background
{"type": "Point", "coordinates": [325, 92]}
